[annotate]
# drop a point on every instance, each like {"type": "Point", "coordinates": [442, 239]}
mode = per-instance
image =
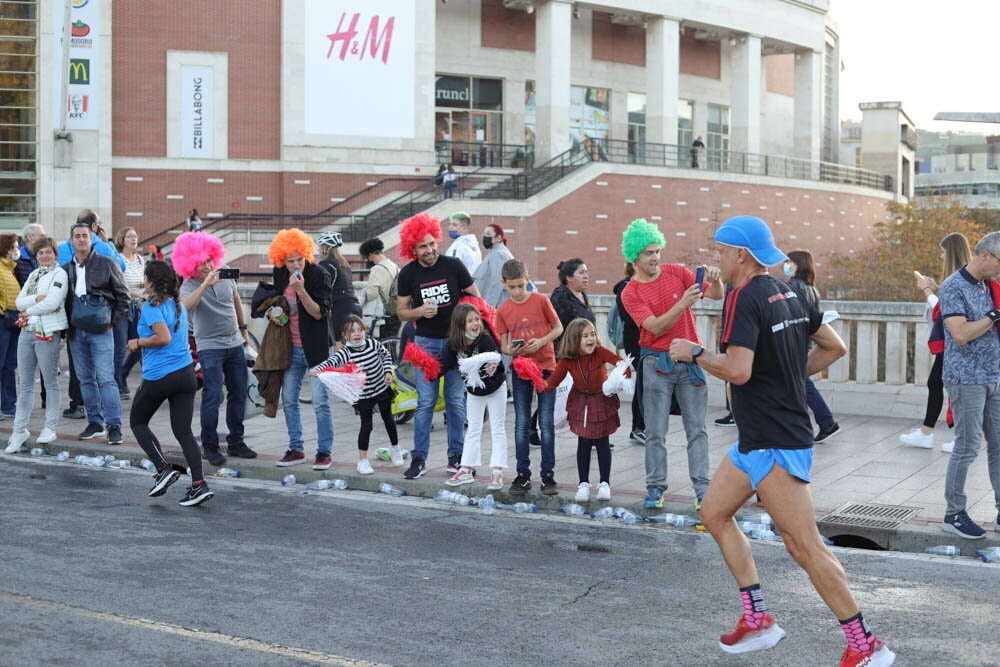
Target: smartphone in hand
{"type": "Point", "coordinates": [517, 342]}
{"type": "Point", "coordinates": [699, 278]}
{"type": "Point", "coordinates": [229, 274]}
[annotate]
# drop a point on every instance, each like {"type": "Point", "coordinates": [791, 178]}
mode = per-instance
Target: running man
{"type": "Point", "coordinates": [765, 339]}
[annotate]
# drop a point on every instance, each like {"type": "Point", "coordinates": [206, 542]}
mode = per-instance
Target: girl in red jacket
{"type": "Point", "coordinates": [592, 416]}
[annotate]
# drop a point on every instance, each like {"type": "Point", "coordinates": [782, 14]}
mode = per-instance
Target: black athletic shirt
{"type": "Point", "coordinates": [769, 317]}
{"type": "Point", "coordinates": [443, 283]}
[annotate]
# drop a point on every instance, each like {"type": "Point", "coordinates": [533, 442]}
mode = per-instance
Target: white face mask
{"type": "Point", "coordinates": [15, 255]}
{"type": "Point", "coordinates": [788, 270]}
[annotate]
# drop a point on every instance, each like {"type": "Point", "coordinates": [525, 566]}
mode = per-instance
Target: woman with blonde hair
{"type": "Point", "coordinates": [955, 254]}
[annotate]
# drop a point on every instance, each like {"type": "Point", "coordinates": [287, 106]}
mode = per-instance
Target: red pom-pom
{"type": "Point", "coordinates": [528, 370]}
{"type": "Point", "coordinates": [426, 363]}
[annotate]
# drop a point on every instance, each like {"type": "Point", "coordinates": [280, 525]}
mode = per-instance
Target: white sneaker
{"type": "Point", "coordinates": [396, 455]}
{"type": "Point", "coordinates": [604, 491]}
{"type": "Point", "coordinates": [364, 467]}
{"type": "Point", "coordinates": [583, 493]}
{"type": "Point", "coordinates": [916, 438]}
{"type": "Point", "coordinates": [947, 447]}
{"type": "Point", "coordinates": [15, 442]}
{"type": "Point", "coordinates": [47, 436]}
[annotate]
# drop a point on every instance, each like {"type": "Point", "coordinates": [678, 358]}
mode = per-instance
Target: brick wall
{"type": "Point", "coordinates": [617, 43]}
{"type": "Point", "coordinates": [502, 28]}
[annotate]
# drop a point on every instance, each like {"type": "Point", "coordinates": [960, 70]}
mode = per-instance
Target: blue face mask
{"type": "Point", "coordinates": [355, 345]}
{"type": "Point", "coordinates": [468, 337]}
{"type": "Point", "coordinates": [788, 269]}
{"type": "Point", "coordinates": [452, 233]}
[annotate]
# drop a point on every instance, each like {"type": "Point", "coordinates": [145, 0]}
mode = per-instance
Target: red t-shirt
{"type": "Point", "coordinates": [644, 300]}
{"type": "Point", "coordinates": [532, 319]}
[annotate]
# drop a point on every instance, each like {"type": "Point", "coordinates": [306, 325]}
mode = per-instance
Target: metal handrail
{"type": "Point", "coordinates": [483, 154]}
{"type": "Point", "coordinates": [685, 157]}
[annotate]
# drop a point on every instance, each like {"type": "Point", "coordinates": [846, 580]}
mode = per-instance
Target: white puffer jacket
{"type": "Point", "coordinates": [50, 312]}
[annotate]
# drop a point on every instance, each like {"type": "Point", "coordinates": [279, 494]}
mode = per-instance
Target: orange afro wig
{"type": "Point", "coordinates": [289, 242]}
{"type": "Point", "coordinates": [412, 232]}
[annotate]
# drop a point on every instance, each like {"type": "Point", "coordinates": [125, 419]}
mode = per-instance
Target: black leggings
{"type": "Point", "coordinates": [935, 392]}
{"type": "Point", "coordinates": [366, 409]}
{"type": "Point", "coordinates": [179, 389]}
{"type": "Point", "coordinates": [603, 457]}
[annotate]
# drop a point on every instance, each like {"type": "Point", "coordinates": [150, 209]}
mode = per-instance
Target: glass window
{"type": "Point", "coordinates": [589, 115]}
{"type": "Point", "coordinates": [487, 94]}
{"type": "Point", "coordinates": [685, 122]}
{"type": "Point", "coordinates": [18, 113]}
{"type": "Point", "coordinates": [529, 113]}
{"type": "Point", "coordinates": [637, 127]}
{"type": "Point", "coordinates": [717, 145]}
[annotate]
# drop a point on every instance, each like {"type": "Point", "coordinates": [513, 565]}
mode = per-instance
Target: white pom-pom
{"type": "Point", "coordinates": [345, 383]}
{"type": "Point", "coordinates": [471, 366]}
{"type": "Point", "coordinates": [617, 382]}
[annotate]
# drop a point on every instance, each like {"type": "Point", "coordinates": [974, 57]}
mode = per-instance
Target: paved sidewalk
{"type": "Point", "coordinates": [864, 463]}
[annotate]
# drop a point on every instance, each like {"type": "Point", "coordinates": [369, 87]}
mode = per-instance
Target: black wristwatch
{"type": "Point", "coordinates": [695, 353]}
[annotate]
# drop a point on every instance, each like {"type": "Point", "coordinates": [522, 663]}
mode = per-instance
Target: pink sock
{"type": "Point", "coordinates": [859, 637]}
{"type": "Point", "coordinates": [754, 609]}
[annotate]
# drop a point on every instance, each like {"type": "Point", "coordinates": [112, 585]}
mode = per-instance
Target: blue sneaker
{"type": "Point", "coordinates": [961, 525]}
{"type": "Point", "coordinates": [654, 497]}
{"type": "Point", "coordinates": [699, 496]}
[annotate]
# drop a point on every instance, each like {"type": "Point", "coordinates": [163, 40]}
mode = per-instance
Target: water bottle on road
{"type": "Point", "coordinates": [61, 456]}
{"type": "Point", "coordinates": [673, 519]}
{"type": "Point", "coordinates": [227, 472]}
{"type": "Point", "coordinates": [446, 496]}
{"type": "Point", "coordinates": [627, 516]}
{"type": "Point", "coordinates": [391, 489]}
{"type": "Point", "coordinates": [760, 517]}
{"type": "Point", "coordinates": [124, 464]}
{"type": "Point", "coordinates": [763, 532]}
{"type": "Point", "coordinates": [146, 464]}
{"type": "Point", "coordinates": [603, 513]}
{"type": "Point", "coordinates": [110, 459]}
{"type": "Point", "coordinates": [288, 480]}
{"type": "Point", "coordinates": [943, 550]}
{"type": "Point", "coordinates": [520, 508]}
{"type": "Point", "coordinates": [573, 509]}
{"type": "Point", "coordinates": [991, 555]}
{"type": "Point", "coordinates": [487, 505]}
{"type": "Point", "coordinates": [327, 484]}
{"type": "Point", "coordinates": [38, 451]}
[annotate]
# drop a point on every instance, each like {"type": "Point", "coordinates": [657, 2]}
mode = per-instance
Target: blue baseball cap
{"type": "Point", "coordinates": [752, 234]}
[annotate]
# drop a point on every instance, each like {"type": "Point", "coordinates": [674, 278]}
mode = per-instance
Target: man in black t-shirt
{"type": "Point", "coordinates": [765, 357]}
{"type": "Point", "coordinates": [428, 290]}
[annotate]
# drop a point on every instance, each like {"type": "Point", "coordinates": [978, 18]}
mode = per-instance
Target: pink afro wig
{"type": "Point", "coordinates": [193, 248]}
{"type": "Point", "coordinates": [412, 232]}
{"type": "Point", "coordinates": [289, 242]}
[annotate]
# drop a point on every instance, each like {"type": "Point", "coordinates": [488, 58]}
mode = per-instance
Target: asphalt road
{"type": "Point", "coordinates": [92, 572]}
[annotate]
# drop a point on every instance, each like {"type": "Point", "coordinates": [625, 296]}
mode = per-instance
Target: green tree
{"type": "Point", "coordinates": [908, 241]}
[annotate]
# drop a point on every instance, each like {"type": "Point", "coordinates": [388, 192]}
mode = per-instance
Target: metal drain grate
{"type": "Point", "coordinates": [869, 520]}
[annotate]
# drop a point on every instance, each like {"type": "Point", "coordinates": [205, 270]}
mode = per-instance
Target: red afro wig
{"type": "Point", "coordinates": [289, 242]}
{"type": "Point", "coordinates": [412, 232]}
{"type": "Point", "coordinates": [193, 248]}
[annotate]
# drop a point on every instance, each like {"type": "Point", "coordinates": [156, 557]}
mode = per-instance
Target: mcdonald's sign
{"type": "Point", "coordinates": [79, 71]}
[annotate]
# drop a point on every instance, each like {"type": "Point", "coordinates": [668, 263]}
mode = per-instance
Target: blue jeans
{"type": "Point", "coordinates": [8, 369]}
{"type": "Point", "coordinates": [976, 408]}
{"type": "Point", "coordinates": [427, 396]}
{"type": "Point", "coordinates": [230, 363]}
{"type": "Point", "coordinates": [523, 393]}
{"type": "Point", "coordinates": [93, 356]}
{"type": "Point", "coordinates": [824, 418]}
{"type": "Point", "coordinates": [291, 384]}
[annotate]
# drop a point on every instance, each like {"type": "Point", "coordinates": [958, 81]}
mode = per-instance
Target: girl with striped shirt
{"type": "Point", "coordinates": [370, 356]}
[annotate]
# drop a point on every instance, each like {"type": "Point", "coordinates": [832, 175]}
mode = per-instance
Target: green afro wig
{"type": "Point", "coordinates": [639, 235]}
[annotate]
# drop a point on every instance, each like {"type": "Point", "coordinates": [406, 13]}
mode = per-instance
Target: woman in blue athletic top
{"type": "Point", "coordinates": [167, 375]}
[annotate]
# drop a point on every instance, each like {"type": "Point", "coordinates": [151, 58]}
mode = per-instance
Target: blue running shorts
{"type": "Point", "coordinates": [759, 462]}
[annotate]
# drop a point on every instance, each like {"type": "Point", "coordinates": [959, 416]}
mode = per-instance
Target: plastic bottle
{"type": "Point", "coordinates": [943, 550]}
{"type": "Point", "coordinates": [81, 460]}
{"type": "Point", "coordinates": [627, 516]}
{"type": "Point", "coordinates": [763, 532]}
{"type": "Point", "coordinates": [61, 456]}
{"type": "Point", "coordinates": [674, 519]}
{"type": "Point", "coordinates": [522, 508]}
{"type": "Point", "coordinates": [391, 489]}
{"type": "Point", "coordinates": [124, 464]}
{"type": "Point", "coordinates": [446, 496]}
{"type": "Point", "coordinates": [573, 509]}
{"type": "Point", "coordinates": [288, 480]}
{"type": "Point", "coordinates": [96, 461]}
{"type": "Point", "coordinates": [762, 517]}
{"type": "Point", "coordinates": [38, 451]}
{"type": "Point", "coordinates": [327, 484]}
{"type": "Point", "coordinates": [748, 527]}
{"type": "Point", "coordinates": [227, 472]}
{"type": "Point", "coordinates": [487, 505]}
{"type": "Point", "coordinates": [990, 555]}
{"type": "Point", "coordinates": [110, 459]}
{"type": "Point", "coordinates": [146, 464]}
{"type": "Point", "coordinates": [603, 513]}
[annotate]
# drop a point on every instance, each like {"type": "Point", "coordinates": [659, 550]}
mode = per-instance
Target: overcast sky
{"type": "Point", "coordinates": [931, 56]}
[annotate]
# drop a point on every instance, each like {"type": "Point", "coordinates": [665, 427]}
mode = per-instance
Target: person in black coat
{"type": "Point", "coordinates": [307, 287]}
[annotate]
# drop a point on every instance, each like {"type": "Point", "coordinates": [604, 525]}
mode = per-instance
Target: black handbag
{"type": "Point", "coordinates": [262, 293]}
{"type": "Point", "coordinates": [91, 313]}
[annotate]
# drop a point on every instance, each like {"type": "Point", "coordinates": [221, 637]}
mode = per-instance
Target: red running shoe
{"type": "Point", "coordinates": [745, 639]}
{"type": "Point", "coordinates": [291, 458]}
{"type": "Point", "coordinates": [878, 656]}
